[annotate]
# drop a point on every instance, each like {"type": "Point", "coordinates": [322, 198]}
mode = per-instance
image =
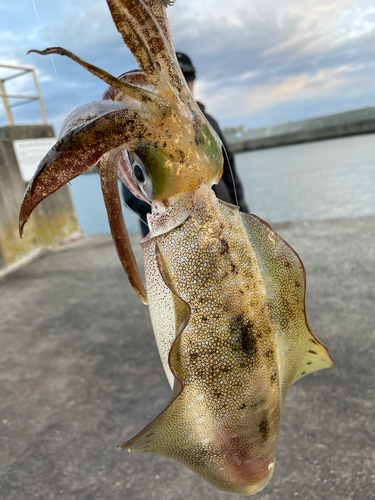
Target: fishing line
{"type": "Point", "coordinates": [231, 173]}
{"type": "Point", "coordinates": [53, 62]}
{"type": "Point", "coordinates": [135, 213]}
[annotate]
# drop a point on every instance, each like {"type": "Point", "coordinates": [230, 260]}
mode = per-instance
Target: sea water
{"type": "Point", "coordinates": [317, 180]}
{"type": "Point", "coordinates": [311, 181]}
{"type": "Point", "coordinates": [89, 204]}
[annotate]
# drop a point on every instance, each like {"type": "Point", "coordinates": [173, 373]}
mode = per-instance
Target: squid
{"type": "Point", "coordinates": [226, 293]}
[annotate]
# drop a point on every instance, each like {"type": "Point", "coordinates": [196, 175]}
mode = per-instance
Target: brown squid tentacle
{"type": "Point", "coordinates": [141, 94]}
{"type": "Point", "coordinates": [132, 36]}
{"type": "Point", "coordinates": [108, 176]}
{"type": "Point", "coordinates": [159, 11]}
{"type": "Point", "coordinates": [143, 18]}
{"type": "Point", "coordinates": [78, 151]}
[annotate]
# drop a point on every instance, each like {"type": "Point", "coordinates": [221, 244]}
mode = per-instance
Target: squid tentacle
{"type": "Point", "coordinates": [138, 93]}
{"type": "Point", "coordinates": [78, 151]}
{"type": "Point", "coordinates": [108, 177]}
{"type": "Point", "coordinates": [135, 77]}
{"type": "Point", "coordinates": [143, 18]}
{"type": "Point", "coordinates": [159, 12]}
{"type": "Point", "coordinates": [132, 36]}
{"type": "Point", "coordinates": [88, 112]}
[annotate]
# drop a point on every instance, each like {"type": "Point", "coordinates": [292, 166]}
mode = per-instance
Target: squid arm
{"type": "Point", "coordinates": [108, 178]}
{"type": "Point", "coordinates": [141, 95]}
{"type": "Point", "coordinates": [75, 153]}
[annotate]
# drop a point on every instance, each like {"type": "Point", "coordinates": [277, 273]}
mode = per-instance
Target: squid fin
{"type": "Point", "coordinates": [285, 279]}
{"type": "Point", "coordinates": [182, 315]}
{"type": "Point", "coordinates": [160, 436]}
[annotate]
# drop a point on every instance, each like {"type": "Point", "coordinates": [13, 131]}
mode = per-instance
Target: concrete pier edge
{"type": "Point", "coordinates": [356, 122]}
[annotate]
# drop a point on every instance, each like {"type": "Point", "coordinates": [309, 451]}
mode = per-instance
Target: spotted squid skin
{"type": "Point", "coordinates": [227, 361]}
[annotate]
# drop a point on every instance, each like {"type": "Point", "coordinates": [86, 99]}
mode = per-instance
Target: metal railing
{"type": "Point", "coordinates": [21, 70]}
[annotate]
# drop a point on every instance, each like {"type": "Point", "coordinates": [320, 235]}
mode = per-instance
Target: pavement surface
{"type": "Point", "coordinates": [80, 374]}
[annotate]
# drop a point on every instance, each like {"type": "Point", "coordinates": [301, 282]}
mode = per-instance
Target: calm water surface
{"type": "Point", "coordinates": [88, 201]}
{"type": "Point", "coordinates": [310, 181]}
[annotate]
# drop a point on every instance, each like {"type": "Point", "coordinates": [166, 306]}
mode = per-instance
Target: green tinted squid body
{"type": "Point", "coordinates": [226, 293]}
{"type": "Point", "coordinates": [232, 337]}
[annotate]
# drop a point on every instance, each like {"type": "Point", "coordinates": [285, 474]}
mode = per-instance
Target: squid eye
{"type": "Point", "coordinates": [141, 176]}
{"type": "Point", "coordinates": [138, 173]}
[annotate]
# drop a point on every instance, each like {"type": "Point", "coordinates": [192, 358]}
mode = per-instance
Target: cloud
{"type": "Point", "coordinates": [252, 98]}
{"type": "Point", "coordinates": [258, 62]}
{"type": "Point", "coordinates": [288, 54]}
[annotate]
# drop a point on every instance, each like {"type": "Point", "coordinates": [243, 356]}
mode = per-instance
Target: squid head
{"type": "Point", "coordinates": [149, 112]}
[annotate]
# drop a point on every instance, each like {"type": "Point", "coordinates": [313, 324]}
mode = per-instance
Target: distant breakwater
{"type": "Point", "coordinates": [359, 121]}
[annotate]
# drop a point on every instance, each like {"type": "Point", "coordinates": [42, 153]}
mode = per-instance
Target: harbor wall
{"type": "Point", "coordinates": [53, 221]}
{"type": "Point", "coordinates": [360, 121]}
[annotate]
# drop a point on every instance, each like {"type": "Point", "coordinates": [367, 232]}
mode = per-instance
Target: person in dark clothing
{"type": "Point", "coordinates": [229, 185]}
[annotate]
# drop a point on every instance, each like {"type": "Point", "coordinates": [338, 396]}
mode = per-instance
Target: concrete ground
{"type": "Point", "coordinates": [80, 374]}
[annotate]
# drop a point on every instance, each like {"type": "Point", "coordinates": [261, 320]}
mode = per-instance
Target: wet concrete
{"type": "Point", "coordinates": [80, 374]}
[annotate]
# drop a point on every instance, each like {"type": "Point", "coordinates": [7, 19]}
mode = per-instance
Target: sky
{"type": "Point", "coordinates": [259, 62]}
